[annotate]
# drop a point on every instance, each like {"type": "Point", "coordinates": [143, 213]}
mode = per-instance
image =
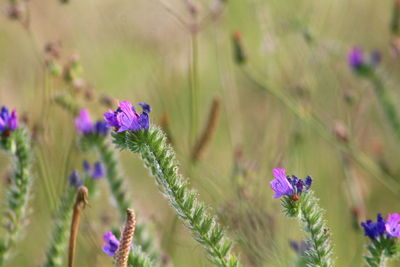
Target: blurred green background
{"type": "Point", "coordinates": [140, 51]}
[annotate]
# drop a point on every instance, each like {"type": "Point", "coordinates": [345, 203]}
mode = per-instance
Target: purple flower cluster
{"type": "Point", "coordinates": [356, 59]}
{"type": "Point", "coordinates": [84, 124]}
{"type": "Point", "coordinates": [125, 117]}
{"type": "Point", "coordinates": [8, 122]}
{"type": "Point", "coordinates": [96, 172]}
{"type": "Point", "coordinates": [390, 227]}
{"type": "Point", "coordinates": [111, 244]}
{"type": "Point", "coordinates": [289, 185]}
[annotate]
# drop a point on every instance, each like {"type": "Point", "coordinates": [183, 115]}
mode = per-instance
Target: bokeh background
{"type": "Point", "coordinates": [144, 50]}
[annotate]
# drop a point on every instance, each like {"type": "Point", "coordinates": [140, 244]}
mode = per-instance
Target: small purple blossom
{"type": "Point", "coordinates": [374, 229]}
{"type": "Point", "coordinates": [289, 185]}
{"type": "Point", "coordinates": [84, 124]}
{"type": "Point", "coordinates": [111, 244]}
{"type": "Point", "coordinates": [280, 185]}
{"type": "Point", "coordinates": [8, 122]}
{"type": "Point", "coordinates": [392, 225]}
{"type": "Point", "coordinates": [98, 171]}
{"type": "Point", "coordinates": [75, 179]}
{"type": "Point", "coordinates": [300, 247]}
{"type": "Point", "coordinates": [95, 172]}
{"type": "Point", "coordinates": [125, 117]}
{"type": "Point", "coordinates": [355, 58]}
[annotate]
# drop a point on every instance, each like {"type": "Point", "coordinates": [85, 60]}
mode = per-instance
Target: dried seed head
{"type": "Point", "coordinates": [126, 239]}
{"type": "Point", "coordinates": [208, 131]}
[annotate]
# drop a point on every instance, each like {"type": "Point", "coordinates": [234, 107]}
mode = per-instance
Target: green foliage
{"type": "Point", "coordinates": [380, 250]}
{"type": "Point", "coordinates": [139, 259]}
{"type": "Point", "coordinates": [116, 184]}
{"type": "Point", "coordinates": [18, 145]}
{"type": "Point", "coordinates": [59, 237]}
{"type": "Point", "coordinates": [159, 157]}
{"type": "Point", "coordinates": [308, 212]}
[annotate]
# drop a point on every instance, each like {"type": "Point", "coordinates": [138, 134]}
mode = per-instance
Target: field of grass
{"type": "Point", "coordinates": [293, 103]}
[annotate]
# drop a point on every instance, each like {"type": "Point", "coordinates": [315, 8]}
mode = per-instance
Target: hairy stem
{"type": "Point", "coordinates": [307, 210]}
{"type": "Point", "coordinates": [376, 256]}
{"type": "Point", "coordinates": [159, 157]}
{"type": "Point", "coordinates": [18, 145]}
{"type": "Point", "coordinates": [116, 184]}
{"type": "Point", "coordinates": [56, 250]}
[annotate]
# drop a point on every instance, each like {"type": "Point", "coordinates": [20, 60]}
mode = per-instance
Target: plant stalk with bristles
{"type": "Point", "coordinates": [306, 209]}
{"type": "Point", "coordinates": [159, 157]}
{"type": "Point", "coordinates": [80, 203]}
{"type": "Point", "coordinates": [116, 183]}
{"type": "Point", "coordinates": [122, 254]}
{"type": "Point", "coordinates": [56, 250]}
{"type": "Point", "coordinates": [18, 144]}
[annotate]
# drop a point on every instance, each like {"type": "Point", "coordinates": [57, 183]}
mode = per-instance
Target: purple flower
{"type": "Point", "coordinates": [98, 171]}
{"type": "Point", "coordinates": [392, 225]}
{"type": "Point", "coordinates": [376, 58]}
{"type": "Point", "coordinates": [83, 122]}
{"type": "Point", "coordinates": [126, 118]}
{"type": "Point", "coordinates": [374, 229]}
{"type": "Point", "coordinates": [280, 185]}
{"type": "Point", "coordinates": [8, 121]}
{"type": "Point", "coordinates": [75, 179]}
{"type": "Point", "coordinates": [355, 58]}
{"type": "Point", "coordinates": [85, 125]}
{"type": "Point", "coordinates": [111, 244]}
{"type": "Point", "coordinates": [101, 128]}
{"type": "Point", "coordinates": [286, 185]}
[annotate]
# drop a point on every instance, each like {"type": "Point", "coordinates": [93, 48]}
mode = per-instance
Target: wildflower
{"type": "Point", "coordinates": [85, 125]}
{"type": "Point", "coordinates": [374, 229]}
{"type": "Point", "coordinates": [126, 118]}
{"type": "Point", "coordinates": [355, 58]}
{"type": "Point", "coordinates": [280, 185]}
{"type": "Point", "coordinates": [96, 172]}
{"type": "Point", "coordinates": [75, 179]}
{"type": "Point", "coordinates": [286, 185]}
{"type": "Point", "coordinates": [8, 122]}
{"type": "Point", "coordinates": [392, 225]}
{"type": "Point", "coordinates": [111, 244]}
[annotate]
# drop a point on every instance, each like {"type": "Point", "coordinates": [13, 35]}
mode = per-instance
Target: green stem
{"type": "Point", "coordinates": [159, 157]}
{"type": "Point", "coordinates": [193, 88]}
{"type": "Point", "coordinates": [18, 144]}
{"type": "Point", "coordinates": [56, 251]}
{"type": "Point", "coordinates": [116, 184]}
{"type": "Point", "coordinates": [387, 104]}
{"type": "Point", "coordinates": [376, 256]}
{"type": "Point", "coordinates": [307, 210]}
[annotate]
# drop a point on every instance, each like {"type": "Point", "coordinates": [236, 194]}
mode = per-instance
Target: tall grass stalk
{"type": "Point", "coordinates": [18, 145]}
{"type": "Point", "coordinates": [159, 157]}
{"type": "Point", "coordinates": [312, 120]}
